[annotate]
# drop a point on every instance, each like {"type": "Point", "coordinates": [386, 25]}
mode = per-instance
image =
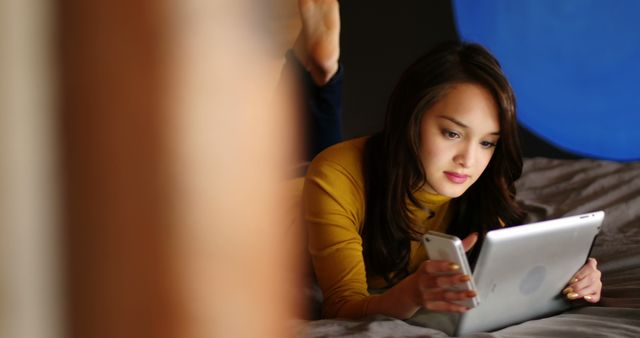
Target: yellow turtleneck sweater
{"type": "Point", "coordinates": [334, 203]}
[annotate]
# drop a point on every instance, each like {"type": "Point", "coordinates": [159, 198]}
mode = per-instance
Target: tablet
{"type": "Point", "coordinates": [522, 270]}
{"type": "Point", "coordinates": [520, 274]}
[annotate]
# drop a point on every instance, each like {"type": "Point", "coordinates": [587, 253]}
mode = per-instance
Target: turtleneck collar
{"type": "Point", "coordinates": [430, 199]}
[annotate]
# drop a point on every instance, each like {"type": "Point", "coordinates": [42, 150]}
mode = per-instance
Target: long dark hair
{"type": "Point", "coordinates": [393, 170]}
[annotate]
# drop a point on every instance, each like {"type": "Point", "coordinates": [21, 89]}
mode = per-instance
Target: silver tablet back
{"type": "Point", "coordinates": [522, 270]}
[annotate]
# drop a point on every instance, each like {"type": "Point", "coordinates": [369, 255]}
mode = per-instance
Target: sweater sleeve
{"type": "Point", "coordinates": [334, 211]}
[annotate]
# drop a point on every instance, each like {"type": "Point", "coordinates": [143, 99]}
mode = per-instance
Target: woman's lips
{"type": "Point", "coordinates": [455, 177]}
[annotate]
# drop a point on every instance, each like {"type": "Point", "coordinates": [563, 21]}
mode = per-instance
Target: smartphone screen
{"type": "Point", "coordinates": [449, 248]}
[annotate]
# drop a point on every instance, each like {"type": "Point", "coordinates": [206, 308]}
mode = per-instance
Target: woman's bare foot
{"type": "Point", "coordinates": [318, 45]}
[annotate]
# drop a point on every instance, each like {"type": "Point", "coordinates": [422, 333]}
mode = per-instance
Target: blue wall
{"type": "Point", "coordinates": [574, 65]}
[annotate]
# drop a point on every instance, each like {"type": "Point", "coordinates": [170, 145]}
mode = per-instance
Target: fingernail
{"type": "Point", "coordinates": [567, 290]}
{"type": "Point", "coordinates": [587, 297]}
{"type": "Point", "coordinates": [471, 293]}
{"type": "Point", "coordinates": [574, 280]}
{"type": "Point", "coordinates": [572, 295]}
{"type": "Point", "coordinates": [454, 266]}
{"type": "Point", "coordinates": [465, 278]}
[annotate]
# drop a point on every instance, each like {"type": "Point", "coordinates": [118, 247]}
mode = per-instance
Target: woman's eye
{"type": "Point", "coordinates": [450, 134]}
{"type": "Point", "coordinates": [487, 144]}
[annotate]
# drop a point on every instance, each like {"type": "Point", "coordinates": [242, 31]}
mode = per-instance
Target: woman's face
{"type": "Point", "coordinates": [458, 137]}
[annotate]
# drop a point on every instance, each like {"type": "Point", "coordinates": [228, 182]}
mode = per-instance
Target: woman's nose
{"type": "Point", "coordinates": [465, 156]}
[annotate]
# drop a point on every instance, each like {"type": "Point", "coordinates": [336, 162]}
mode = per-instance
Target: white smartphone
{"type": "Point", "coordinates": [449, 248]}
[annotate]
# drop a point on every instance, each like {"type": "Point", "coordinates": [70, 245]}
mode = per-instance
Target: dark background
{"type": "Point", "coordinates": [379, 39]}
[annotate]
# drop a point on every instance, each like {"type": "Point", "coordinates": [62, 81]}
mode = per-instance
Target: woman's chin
{"type": "Point", "coordinates": [451, 191]}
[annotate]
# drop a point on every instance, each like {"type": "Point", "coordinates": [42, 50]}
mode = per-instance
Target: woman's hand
{"type": "Point", "coordinates": [434, 279]}
{"type": "Point", "coordinates": [425, 288]}
{"type": "Point", "coordinates": [586, 283]}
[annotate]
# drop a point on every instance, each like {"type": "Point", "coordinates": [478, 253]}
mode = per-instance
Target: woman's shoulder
{"type": "Point", "coordinates": [345, 155]}
{"type": "Point", "coordinates": [334, 184]}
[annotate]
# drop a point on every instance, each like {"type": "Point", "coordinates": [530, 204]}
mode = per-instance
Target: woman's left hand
{"type": "Point", "coordinates": [585, 283]}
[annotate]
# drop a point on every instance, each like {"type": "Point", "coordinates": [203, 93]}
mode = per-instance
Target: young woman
{"type": "Point", "coordinates": [446, 160]}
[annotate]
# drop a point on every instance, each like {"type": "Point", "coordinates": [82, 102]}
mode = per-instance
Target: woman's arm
{"type": "Point", "coordinates": [333, 199]}
{"type": "Point", "coordinates": [334, 212]}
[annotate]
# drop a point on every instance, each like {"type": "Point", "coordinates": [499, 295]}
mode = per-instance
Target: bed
{"type": "Point", "coordinates": [552, 188]}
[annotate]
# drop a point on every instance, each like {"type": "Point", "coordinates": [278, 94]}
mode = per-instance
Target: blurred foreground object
{"type": "Point", "coordinates": [175, 144]}
{"type": "Point", "coordinates": [30, 266]}
{"type": "Point", "coordinates": [233, 133]}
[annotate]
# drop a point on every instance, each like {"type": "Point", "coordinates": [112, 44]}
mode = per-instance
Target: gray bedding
{"type": "Point", "coordinates": [552, 188]}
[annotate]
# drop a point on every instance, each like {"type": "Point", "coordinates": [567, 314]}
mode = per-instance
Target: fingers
{"type": "Point", "coordinates": [442, 300]}
{"type": "Point", "coordinates": [435, 281]}
{"type": "Point", "coordinates": [586, 283]}
{"type": "Point", "coordinates": [589, 282]}
{"type": "Point", "coordinates": [444, 306]}
{"type": "Point", "coordinates": [588, 268]}
{"type": "Point", "coordinates": [438, 282]}
{"type": "Point", "coordinates": [470, 241]}
{"type": "Point", "coordinates": [591, 294]}
{"type": "Point", "coordinates": [447, 295]}
{"type": "Point", "coordinates": [433, 266]}
{"type": "Point", "coordinates": [440, 274]}
{"type": "Point", "coordinates": [588, 288]}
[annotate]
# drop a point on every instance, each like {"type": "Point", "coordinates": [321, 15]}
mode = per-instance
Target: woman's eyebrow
{"type": "Point", "coordinates": [462, 125]}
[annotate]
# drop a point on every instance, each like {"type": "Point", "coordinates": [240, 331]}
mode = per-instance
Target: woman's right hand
{"type": "Point", "coordinates": [425, 288]}
{"type": "Point", "coordinates": [434, 279]}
